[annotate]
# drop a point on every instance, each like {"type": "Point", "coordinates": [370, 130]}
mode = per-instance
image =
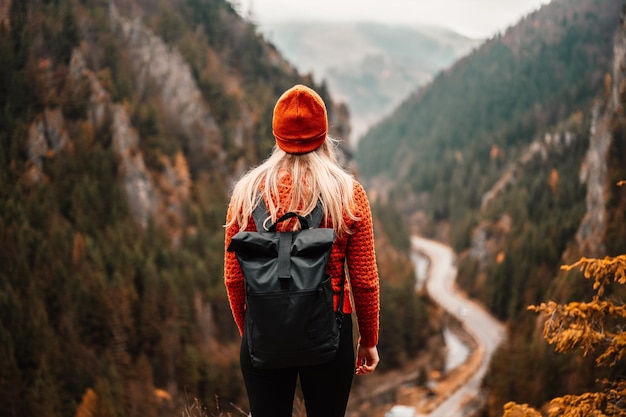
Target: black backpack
{"type": "Point", "coordinates": [290, 320]}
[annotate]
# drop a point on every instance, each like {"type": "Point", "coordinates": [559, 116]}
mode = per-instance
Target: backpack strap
{"type": "Point", "coordinates": [315, 217]}
{"type": "Point", "coordinates": [260, 215]}
{"type": "Point", "coordinates": [339, 313]}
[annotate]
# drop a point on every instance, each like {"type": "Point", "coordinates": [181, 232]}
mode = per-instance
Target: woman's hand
{"type": "Point", "coordinates": [366, 359]}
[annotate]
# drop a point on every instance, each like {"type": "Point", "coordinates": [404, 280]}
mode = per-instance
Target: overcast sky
{"type": "Point", "coordinates": [473, 18]}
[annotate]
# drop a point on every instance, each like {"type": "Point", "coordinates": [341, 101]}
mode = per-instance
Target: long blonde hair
{"type": "Point", "coordinates": [316, 175]}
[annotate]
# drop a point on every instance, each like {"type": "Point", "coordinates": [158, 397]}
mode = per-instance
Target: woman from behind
{"type": "Point", "coordinates": [301, 171]}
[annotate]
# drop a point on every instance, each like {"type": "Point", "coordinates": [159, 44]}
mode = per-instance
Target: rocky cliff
{"type": "Point", "coordinates": [158, 72]}
{"type": "Point", "coordinates": [150, 195]}
{"type": "Point", "coordinates": [160, 67]}
{"type": "Point", "coordinates": [590, 236]}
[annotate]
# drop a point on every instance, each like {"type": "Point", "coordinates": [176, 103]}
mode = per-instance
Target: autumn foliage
{"type": "Point", "coordinates": [596, 327]}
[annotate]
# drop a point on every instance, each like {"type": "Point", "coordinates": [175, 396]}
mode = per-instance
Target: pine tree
{"type": "Point", "coordinates": [596, 327]}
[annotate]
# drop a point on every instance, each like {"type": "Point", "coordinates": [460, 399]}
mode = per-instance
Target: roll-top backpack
{"type": "Point", "coordinates": [290, 319]}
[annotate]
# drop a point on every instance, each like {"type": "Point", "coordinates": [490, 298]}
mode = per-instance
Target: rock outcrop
{"type": "Point", "coordinates": [158, 66]}
{"type": "Point", "coordinates": [489, 237]}
{"type": "Point", "coordinates": [151, 195]}
{"type": "Point", "coordinates": [591, 233]}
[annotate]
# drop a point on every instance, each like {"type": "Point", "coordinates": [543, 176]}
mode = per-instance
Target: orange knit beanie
{"type": "Point", "coordinates": [300, 122]}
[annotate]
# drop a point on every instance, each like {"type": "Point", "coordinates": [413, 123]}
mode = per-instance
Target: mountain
{"type": "Point", "coordinates": [594, 228]}
{"type": "Point", "coordinates": [369, 66]}
{"type": "Point", "coordinates": [511, 155]}
{"type": "Point", "coordinates": [446, 144]}
{"type": "Point", "coordinates": [124, 123]}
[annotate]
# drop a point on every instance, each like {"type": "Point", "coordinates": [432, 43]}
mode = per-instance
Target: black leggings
{"type": "Point", "coordinates": [325, 387]}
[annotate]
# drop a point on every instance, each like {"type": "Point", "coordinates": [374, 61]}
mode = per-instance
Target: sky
{"type": "Point", "coordinates": [472, 18]}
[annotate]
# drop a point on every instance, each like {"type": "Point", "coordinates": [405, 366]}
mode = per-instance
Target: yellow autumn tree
{"type": "Point", "coordinates": [597, 326]}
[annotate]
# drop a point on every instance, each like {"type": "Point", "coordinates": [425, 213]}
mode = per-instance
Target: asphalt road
{"type": "Point", "coordinates": [484, 328]}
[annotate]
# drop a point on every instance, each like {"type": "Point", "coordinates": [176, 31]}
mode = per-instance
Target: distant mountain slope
{"type": "Point", "coordinates": [443, 143]}
{"type": "Point", "coordinates": [566, 205]}
{"type": "Point", "coordinates": [514, 155]}
{"type": "Point", "coordinates": [371, 66]}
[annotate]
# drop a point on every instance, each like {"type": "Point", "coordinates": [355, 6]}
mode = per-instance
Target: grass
{"type": "Point", "coordinates": [197, 409]}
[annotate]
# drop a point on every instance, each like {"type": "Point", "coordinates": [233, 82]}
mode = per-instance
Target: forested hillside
{"type": "Point", "coordinates": [512, 157]}
{"type": "Point", "coordinates": [526, 370]}
{"type": "Point", "coordinates": [442, 146]}
{"type": "Point", "coordinates": [123, 124]}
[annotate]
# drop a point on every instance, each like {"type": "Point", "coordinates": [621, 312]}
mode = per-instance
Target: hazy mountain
{"type": "Point", "coordinates": [370, 66]}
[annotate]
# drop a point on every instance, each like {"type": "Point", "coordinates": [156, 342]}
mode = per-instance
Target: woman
{"type": "Point", "coordinates": [302, 170]}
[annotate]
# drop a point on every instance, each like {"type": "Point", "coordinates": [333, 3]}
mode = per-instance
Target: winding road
{"type": "Point", "coordinates": [482, 327]}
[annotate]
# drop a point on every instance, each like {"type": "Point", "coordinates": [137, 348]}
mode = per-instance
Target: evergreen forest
{"type": "Point", "coordinates": [123, 125]}
{"type": "Point", "coordinates": [502, 156]}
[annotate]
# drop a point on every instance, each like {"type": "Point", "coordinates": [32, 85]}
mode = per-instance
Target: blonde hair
{"type": "Point", "coordinates": [316, 175]}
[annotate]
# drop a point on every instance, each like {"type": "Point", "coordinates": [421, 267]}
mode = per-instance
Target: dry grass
{"type": "Point", "coordinates": [197, 409]}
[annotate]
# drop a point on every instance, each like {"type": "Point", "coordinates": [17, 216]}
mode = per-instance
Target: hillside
{"type": "Point", "coordinates": [511, 156]}
{"type": "Point", "coordinates": [124, 125]}
{"type": "Point", "coordinates": [369, 66]}
{"type": "Point", "coordinates": [450, 141]}
{"type": "Point", "coordinates": [526, 275]}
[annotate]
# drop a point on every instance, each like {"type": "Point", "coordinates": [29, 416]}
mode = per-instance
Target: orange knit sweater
{"type": "Point", "coordinates": [356, 248]}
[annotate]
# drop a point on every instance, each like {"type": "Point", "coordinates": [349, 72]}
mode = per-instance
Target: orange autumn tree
{"type": "Point", "coordinates": [597, 326]}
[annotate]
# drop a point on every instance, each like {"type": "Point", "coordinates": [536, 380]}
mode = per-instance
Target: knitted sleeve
{"type": "Point", "coordinates": [361, 259]}
{"type": "Point", "coordinates": [233, 277]}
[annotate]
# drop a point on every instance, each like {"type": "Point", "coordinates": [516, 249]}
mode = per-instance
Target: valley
{"type": "Point", "coordinates": [462, 388]}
